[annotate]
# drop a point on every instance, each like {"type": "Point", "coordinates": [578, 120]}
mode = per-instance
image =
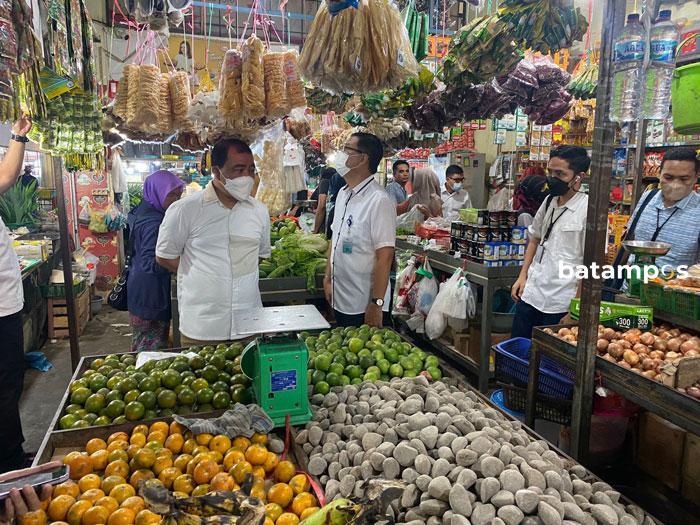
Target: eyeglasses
{"type": "Point", "coordinates": [239, 171]}
{"type": "Point", "coordinates": [348, 148]}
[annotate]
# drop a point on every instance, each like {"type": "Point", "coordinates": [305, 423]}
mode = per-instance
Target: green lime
{"type": "Point", "coordinates": [148, 367]}
{"type": "Point", "coordinates": [371, 376]}
{"type": "Point", "coordinates": [198, 384]}
{"type": "Point", "coordinates": [187, 397]}
{"type": "Point", "coordinates": [364, 353]}
{"type": "Point", "coordinates": [355, 344]}
{"type": "Point", "coordinates": [356, 381]}
{"type": "Point", "coordinates": [167, 399]}
{"type": "Point", "coordinates": [148, 384]}
{"type": "Point", "coordinates": [204, 395]}
{"type": "Point", "coordinates": [210, 373]}
{"type": "Point", "coordinates": [180, 365]}
{"type": "Point", "coordinates": [221, 400]}
{"type": "Point", "coordinates": [396, 370]}
{"type": "Point", "coordinates": [383, 365]}
{"type": "Point", "coordinates": [225, 377]}
{"type": "Point", "coordinates": [104, 370]}
{"type": "Point", "coordinates": [239, 379]}
{"type": "Point", "coordinates": [354, 372]}
{"type": "Point", "coordinates": [113, 394]}
{"type": "Point", "coordinates": [322, 388]}
{"type": "Point", "coordinates": [336, 368]}
{"type": "Point", "coordinates": [73, 408]}
{"type": "Point", "coordinates": [188, 380]}
{"type": "Point", "coordinates": [240, 394]}
{"type": "Point", "coordinates": [351, 359]}
{"type": "Point", "coordinates": [67, 421]}
{"type": "Point", "coordinates": [80, 413]}
{"type": "Point", "coordinates": [134, 411]}
{"type": "Point", "coordinates": [103, 392]}
{"type": "Point", "coordinates": [97, 381]}
{"type": "Point", "coordinates": [323, 362]}
{"type": "Point", "coordinates": [127, 384]}
{"type": "Point", "coordinates": [119, 420]}
{"type": "Point", "coordinates": [129, 360]}
{"type": "Point", "coordinates": [101, 421]}
{"type": "Point", "coordinates": [410, 373]}
{"type": "Point", "coordinates": [234, 350]}
{"type": "Point", "coordinates": [197, 362]}
{"type": "Point", "coordinates": [434, 372]}
{"type": "Point", "coordinates": [220, 386]}
{"type": "Point", "coordinates": [139, 376]}
{"type": "Point", "coordinates": [80, 395]}
{"type": "Point", "coordinates": [115, 408]}
{"type": "Point", "coordinates": [366, 361]}
{"type": "Point", "coordinates": [149, 413]}
{"type": "Point", "coordinates": [333, 379]}
{"type": "Point", "coordinates": [377, 355]}
{"type": "Point", "coordinates": [147, 399]}
{"type": "Point", "coordinates": [407, 363]}
{"type": "Point", "coordinates": [97, 363]}
{"type": "Point", "coordinates": [318, 376]}
{"type": "Point", "coordinates": [344, 380]}
{"type": "Point", "coordinates": [95, 403]}
{"type": "Point", "coordinates": [431, 361]}
{"type": "Point", "coordinates": [81, 423]}
{"type": "Point", "coordinates": [218, 361]}
{"type": "Point", "coordinates": [131, 395]}
{"type": "Point", "coordinates": [171, 378]}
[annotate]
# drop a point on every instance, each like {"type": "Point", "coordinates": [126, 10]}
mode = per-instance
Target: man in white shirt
{"type": "Point", "coordinates": [556, 235]}
{"type": "Point", "coordinates": [356, 282]}
{"type": "Point", "coordinates": [213, 240]}
{"type": "Point", "coordinates": [11, 304]}
{"type": "Point", "coordinates": [454, 197]}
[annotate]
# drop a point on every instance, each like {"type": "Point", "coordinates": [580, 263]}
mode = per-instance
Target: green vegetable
{"type": "Point", "coordinates": [19, 206]}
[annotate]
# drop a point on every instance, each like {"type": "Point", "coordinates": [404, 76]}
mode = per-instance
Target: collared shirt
{"type": "Point", "coordinates": [218, 249]}
{"type": "Point", "coordinates": [364, 222]}
{"type": "Point", "coordinates": [453, 202]}
{"type": "Point", "coordinates": [682, 231]}
{"type": "Point", "coordinates": [396, 192]}
{"type": "Point", "coordinates": [545, 289]}
{"type": "Point", "coordinates": [11, 292]}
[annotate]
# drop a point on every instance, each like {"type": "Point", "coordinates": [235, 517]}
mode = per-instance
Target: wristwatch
{"type": "Point", "coordinates": [378, 301]}
{"type": "Point", "coordinates": [19, 138]}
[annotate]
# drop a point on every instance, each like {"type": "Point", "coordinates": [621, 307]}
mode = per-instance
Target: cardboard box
{"type": "Point", "coordinates": [661, 449]}
{"type": "Point", "coordinates": [619, 316]}
{"type": "Point", "coordinates": [469, 343]}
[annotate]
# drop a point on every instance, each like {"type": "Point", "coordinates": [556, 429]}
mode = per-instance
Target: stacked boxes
{"type": "Point", "coordinates": [489, 238]}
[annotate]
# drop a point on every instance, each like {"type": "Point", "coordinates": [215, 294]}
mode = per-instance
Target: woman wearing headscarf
{"type": "Point", "coordinates": [426, 193]}
{"type": "Point", "coordinates": [529, 196]}
{"type": "Point", "coordinates": [148, 284]}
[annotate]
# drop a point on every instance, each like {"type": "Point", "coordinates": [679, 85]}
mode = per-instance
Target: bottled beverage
{"type": "Point", "coordinates": [628, 62]}
{"type": "Point", "coordinates": [662, 57]}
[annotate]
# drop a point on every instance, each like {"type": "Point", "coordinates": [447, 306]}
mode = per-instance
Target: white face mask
{"type": "Point", "coordinates": [340, 159]}
{"type": "Point", "coordinates": [675, 191]}
{"type": "Point", "coordinates": [457, 186]}
{"type": "Point", "coordinates": [240, 187]}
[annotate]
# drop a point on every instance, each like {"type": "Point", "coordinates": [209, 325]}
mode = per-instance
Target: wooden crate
{"type": "Point", "coordinates": [690, 485]}
{"type": "Point", "coordinates": [58, 314]}
{"type": "Point", "coordinates": [660, 449]}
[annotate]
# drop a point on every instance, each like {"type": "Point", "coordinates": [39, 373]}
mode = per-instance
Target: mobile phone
{"type": "Point", "coordinates": [49, 474]}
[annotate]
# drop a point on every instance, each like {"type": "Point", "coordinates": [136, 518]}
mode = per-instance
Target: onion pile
{"type": "Point", "coordinates": [644, 353]}
{"type": "Point", "coordinates": [692, 390]}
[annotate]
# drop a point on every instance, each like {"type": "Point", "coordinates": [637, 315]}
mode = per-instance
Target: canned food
{"type": "Point", "coordinates": [455, 229]}
{"type": "Point", "coordinates": [482, 234]}
{"type": "Point", "coordinates": [521, 252]}
{"type": "Point", "coordinates": [503, 251]}
{"type": "Point", "coordinates": [480, 250]}
{"type": "Point", "coordinates": [512, 218]}
{"type": "Point", "coordinates": [482, 217]}
{"type": "Point", "coordinates": [493, 264]}
{"type": "Point", "coordinates": [494, 219]}
{"type": "Point", "coordinates": [506, 233]}
{"type": "Point", "coordinates": [490, 251]}
{"type": "Point", "coordinates": [518, 234]}
{"type": "Point", "coordinates": [511, 263]}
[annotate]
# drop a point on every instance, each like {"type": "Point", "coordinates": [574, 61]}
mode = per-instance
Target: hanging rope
{"type": "Point", "coordinates": [587, 46]}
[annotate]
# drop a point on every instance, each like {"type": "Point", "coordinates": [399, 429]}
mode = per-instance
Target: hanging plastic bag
{"type": "Point", "coordinates": [501, 200]}
{"type": "Point", "coordinates": [404, 282]}
{"type": "Point", "coordinates": [468, 296]}
{"type": "Point", "coordinates": [427, 288]}
{"type": "Point", "coordinates": [406, 222]}
{"type": "Point", "coordinates": [450, 301]}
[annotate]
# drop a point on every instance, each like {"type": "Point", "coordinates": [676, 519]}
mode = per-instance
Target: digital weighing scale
{"type": "Point", "coordinates": [645, 254]}
{"type": "Point", "coordinates": [277, 360]}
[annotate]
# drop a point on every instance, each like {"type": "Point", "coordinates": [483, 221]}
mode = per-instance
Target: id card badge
{"type": "Point", "coordinates": [347, 240]}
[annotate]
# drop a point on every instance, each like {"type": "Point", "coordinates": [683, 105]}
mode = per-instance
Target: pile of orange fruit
{"type": "Point", "coordinates": [105, 476]}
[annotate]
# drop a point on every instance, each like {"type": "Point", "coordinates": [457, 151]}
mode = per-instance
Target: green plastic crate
{"type": "Point", "coordinates": [59, 289]}
{"type": "Point", "coordinates": [278, 368]}
{"type": "Point", "coordinates": [686, 304]}
{"type": "Point", "coordinates": [654, 295]}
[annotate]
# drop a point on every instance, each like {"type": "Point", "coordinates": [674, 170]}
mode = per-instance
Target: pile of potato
{"type": "Point", "coordinates": [645, 353]}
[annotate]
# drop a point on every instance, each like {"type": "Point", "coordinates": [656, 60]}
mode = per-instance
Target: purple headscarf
{"type": "Point", "coordinates": [157, 187]}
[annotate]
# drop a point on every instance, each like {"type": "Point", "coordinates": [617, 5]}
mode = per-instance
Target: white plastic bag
{"type": "Point", "coordinates": [436, 322]}
{"type": "Point", "coordinates": [450, 302]}
{"type": "Point", "coordinates": [407, 221]}
{"type": "Point", "coordinates": [501, 200]}
{"type": "Point", "coordinates": [427, 289]}
{"type": "Point", "coordinates": [404, 280]}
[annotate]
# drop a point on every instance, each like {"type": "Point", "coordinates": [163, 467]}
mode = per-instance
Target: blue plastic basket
{"type": "Point", "coordinates": [512, 362]}
{"type": "Point", "coordinates": [498, 398]}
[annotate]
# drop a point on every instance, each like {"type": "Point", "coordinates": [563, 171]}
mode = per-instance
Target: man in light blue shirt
{"type": "Point", "coordinates": [673, 214]}
{"type": "Point", "coordinates": [397, 188]}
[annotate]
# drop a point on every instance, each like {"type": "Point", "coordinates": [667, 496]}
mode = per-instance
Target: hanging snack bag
{"type": "Point", "coordinates": [296, 97]}
{"type": "Point", "coordinates": [253, 78]}
{"type": "Point", "coordinates": [275, 90]}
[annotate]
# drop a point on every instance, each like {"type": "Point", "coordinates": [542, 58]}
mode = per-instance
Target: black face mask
{"type": "Point", "coordinates": [557, 187]}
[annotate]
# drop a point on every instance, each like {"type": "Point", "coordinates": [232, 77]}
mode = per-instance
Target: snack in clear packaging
{"type": "Point", "coordinates": [165, 115]}
{"type": "Point", "coordinates": [275, 90]}
{"type": "Point", "coordinates": [131, 73]}
{"type": "Point", "coordinates": [253, 83]}
{"type": "Point", "coordinates": [180, 98]}
{"type": "Point", "coordinates": [296, 97]}
{"type": "Point", "coordinates": [149, 95]}
{"type": "Point", "coordinates": [230, 90]}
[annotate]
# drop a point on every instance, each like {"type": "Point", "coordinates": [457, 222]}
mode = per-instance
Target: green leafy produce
{"type": "Point", "coordinates": [391, 103]}
{"type": "Point", "coordinates": [351, 355]}
{"type": "Point", "coordinates": [282, 227]}
{"type": "Point", "coordinates": [299, 254]}
{"type": "Point", "coordinates": [19, 206]}
{"type": "Point", "coordinates": [585, 82]}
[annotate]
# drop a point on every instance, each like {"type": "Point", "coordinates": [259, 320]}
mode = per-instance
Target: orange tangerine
{"type": "Point", "coordinates": [308, 512]}
{"type": "Point", "coordinates": [118, 468]}
{"type": "Point", "coordinates": [118, 454]}
{"type": "Point", "coordinates": [181, 462]}
{"type": "Point", "coordinates": [139, 475]}
{"type": "Point", "coordinates": [232, 457]}
{"type": "Point", "coordinates": [256, 455]}
{"type": "Point", "coordinates": [122, 516]}
{"type": "Point", "coordinates": [59, 507]}
{"type": "Point", "coordinates": [241, 470]}
{"type": "Point", "coordinates": [123, 436]}
{"type": "Point", "coordinates": [259, 472]}
{"type": "Point", "coordinates": [140, 429]}
{"type": "Point", "coordinates": [280, 493]}
{"type": "Point", "coordinates": [89, 481]}
{"type": "Point", "coordinates": [109, 482]}
{"type": "Point", "coordinates": [122, 492]}
{"type": "Point", "coordinates": [287, 519]}
{"type": "Point", "coordinates": [75, 513]}
{"type": "Point", "coordinates": [189, 446]}
{"type": "Point", "coordinates": [271, 462]}
{"type": "Point", "coordinates": [94, 445]}
{"type": "Point", "coordinates": [164, 453]}
{"type": "Point", "coordinates": [168, 475]}
{"type": "Point", "coordinates": [108, 503]}
{"type": "Point", "coordinates": [260, 439]}
{"type": "Point", "coordinates": [241, 443]}
{"type": "Point", "coordinates": [176, 428]}
{"type": "Point", "coordinates": [222, 481]}
{"type": "Point", "coordinates": [220, 444]}
{"type": "Point", "coordinates": [92, 495]}
{"type": "Point", "coordinates": [67, 487]}
{"type": "Point", "coordinates": [157, 436]}
{"type": "Point", "coordinates": [161, 464]}
{"type": "Point", "coordinates": [118, 444]}
{"type": "Point", "coordinates": [183, 483]}
{"type": "Point", "coordinates": [144, 458]}
{"type": "Point", "coordinates": [71, 456]}
{"type": "Point", "coordinates": [201, 490]}
{"type": "Point", "coordinates": [267, 521]}
{"type": "Point", "coordinates": [80, 466]}
{"type": "Point", "coordinates": [299, 483]}
{"type": "Point", "coordinates": [160, 426]}
{"type": "Point", "coordinates": [35, 517]}
{"type": "Point", "coordinates": [138, 439]}
{"type": "Point", "coordinates": [273, 511]}
{"type": "Point", "coordinates": [203, 439]}
{"type": "Point", "coordinates": [99, 459]}
{"type": "Point", "coordinates": [174, 443]}
{"type": "Point", "coordinates": [205, 471]}
{"type": "Point", "coordinates": [132, 450]}
{"type": "Point", "coordinates": [285, 471]}
{"type": "Point", "coordinates": [200, 449]}
{"type": "Point", "coordinates": [146, 517]}
{"type": "Point", "coordinates": [216, 456]}
{"type": "Point", "coordinates": [302, 502]}
{"type": "Point", "coordinates": [134, 503]}
{"type": "Point", "coordinates": [258, 492]}
{"type": "Point", "coordinates": [95, 516]}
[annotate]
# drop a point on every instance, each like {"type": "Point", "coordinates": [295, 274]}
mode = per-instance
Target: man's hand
{"type": "Point", "coordinates": [567, 319]}
{"type": "Point", "coordinates": [518, 288]}
{"type": "Point", "coordinates": [20, 503]}
{"type": "Point", "coordinates": [424, 210]}
{"type": "Point", "coordinates": [328, 290]}
{"type": "Point", "coordinates": [373, 315]}
{"type": "Point", "coordinates": [22, 126]}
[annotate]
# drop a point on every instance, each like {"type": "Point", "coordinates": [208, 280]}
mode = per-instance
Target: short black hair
{"type": "Point", "coordinates": [328, 173]}
{"type": "Point", "coordinates": [453, 169]}
{"type": "Point", "coordinates": [398, 163]}
{"type": "Point", "coordinates": [371, 146]}
{"type": "Point", "coordinates": [219, 152]}
{"type": "Point", "coordinates": [687, 154]}
{"type": "Point", "coordinates": [576, 156]}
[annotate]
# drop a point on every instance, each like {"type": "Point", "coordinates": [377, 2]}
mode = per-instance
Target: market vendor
{"type": "Point", "coordinates": [356, 282]}
{"type": "Point", "coordinates": [454, 197]}
{"type": "Point", "coordinates": [11, 304]}
{"type": "Point", "coordinates": [556, 234]}
{"type": "Point", "coordinates": [397, 188]}
{"type": "Point", "coordinates": [213, 241]}
{"type": "Point", "coordinates": [672, 214]}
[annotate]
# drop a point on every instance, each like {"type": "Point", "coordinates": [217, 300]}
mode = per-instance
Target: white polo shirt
{"type": "Point", "coordinates": [545, 289]}
{"type": "Point", "coordinates": [11, 292]}
{"type": "Point", "coordinates": [218, 250]}
{"type": "Point", "coordinates": [453, 202]}
{"type": "Point", "coordinates": [364, 222]}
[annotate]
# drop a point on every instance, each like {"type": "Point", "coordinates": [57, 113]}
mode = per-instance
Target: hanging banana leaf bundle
{"type": "Point", "coordinates": [417, 26]}
{"type": "Point", "coordinates": [543, 25]}
{"type": "Point", "coordinates": [585, 82]}
{"type": "Point", "coordinates": [391, 103]}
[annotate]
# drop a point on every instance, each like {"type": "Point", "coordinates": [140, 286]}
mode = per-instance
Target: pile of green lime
{"type": "Point", "coordinates": [349, 356]}
{"type": "Point", "coordinates": [113, 391]}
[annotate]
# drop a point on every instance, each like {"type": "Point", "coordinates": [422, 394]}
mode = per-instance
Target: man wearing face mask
{"type": "Point", "coordinates": [356, 282]}
{"type": "Point", "coordinates": [454, 197]}
{"type": "Point", "coordinates": [213, 241]}
{"type": "Point", "coordinates": [672, 214]}
{"type": "Point", "coordinates": [556, 234]}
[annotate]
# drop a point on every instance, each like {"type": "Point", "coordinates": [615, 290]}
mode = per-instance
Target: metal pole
{"type": "Point", "coordinates": [596, 235]}
{"type": "Point", "coordinates": [56, 166]}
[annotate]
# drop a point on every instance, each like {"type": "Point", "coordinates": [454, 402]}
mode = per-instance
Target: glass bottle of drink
{"type": "Point", "coordinates": [628, 63]}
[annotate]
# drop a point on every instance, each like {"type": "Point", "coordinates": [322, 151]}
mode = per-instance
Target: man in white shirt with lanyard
{"type": "Point", "coordinates": [213, 241]}
{"type": "Point", "coordinates": [556, 234]}
{"type": "Point", "coordinates": [11, 304]}
{"type": "Point", "coordinates": [454, 196]}
{"type": "Point", "coordinates": [356, 282]}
